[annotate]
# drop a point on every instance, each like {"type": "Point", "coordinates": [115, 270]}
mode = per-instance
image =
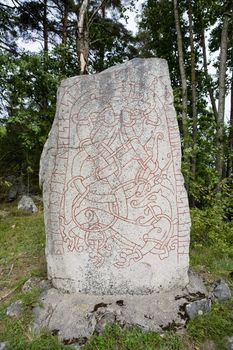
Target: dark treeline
{"type": "Point", "coordinates": [84, 37]}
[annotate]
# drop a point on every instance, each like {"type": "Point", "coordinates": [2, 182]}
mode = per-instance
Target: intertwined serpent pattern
{"type": "Point", "coordinates": [116, 184]}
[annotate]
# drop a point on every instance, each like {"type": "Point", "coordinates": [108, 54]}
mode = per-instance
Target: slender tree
{"type": "Point", "coordinates": [182, 73]}
{"type": "Point", "coordinates": [207, 76]}
{"type": "Point", "coordinates": [222, 92]}
{"type": "Point", "coordinates": [65, 22]}
{"type": "Point", "coordinates": [193, 87]}
{"type": "Point", "coordinates": [83, 36]}
{"type": "Point", "coordinates": [230, 139]}
{"type": "Point", "coordinates": [45, 26]}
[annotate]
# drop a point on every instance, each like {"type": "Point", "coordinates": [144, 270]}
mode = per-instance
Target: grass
{"type": "Point", "coordinates": [209, 262]}
{"type": "Point", "coordinates": [22, 243]}
{"type": "Point", "coordinates": [115, 338]}
{"type": "Point", "coordinates": [215, 325]}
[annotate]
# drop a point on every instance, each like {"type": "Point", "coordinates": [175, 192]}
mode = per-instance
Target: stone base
{"type": "Point", "coordinates": [75, 317]}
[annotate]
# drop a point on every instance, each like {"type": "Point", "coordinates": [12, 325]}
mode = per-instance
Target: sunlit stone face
{"type": "Point", "coordinates": [116, 210]}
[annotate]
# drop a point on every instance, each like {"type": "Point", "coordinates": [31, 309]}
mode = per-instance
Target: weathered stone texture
{"type": "Point", "coordinates": [116, 210]}
{"type": "Point", "coordinates": [26, 203]}
{"type": "Point", "coordinates": [221, 291]}
{"type": "Point", "coordinates": [79, 316]}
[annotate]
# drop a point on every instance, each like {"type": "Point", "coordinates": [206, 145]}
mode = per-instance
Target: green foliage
{"type": "Point", "coordinates": [29, 83]}
{"type": "Point", "coordinates": [157, 35]}
{"type": "Point", "coordinates": [210, 226]}
{"type": "Point", "coordinates": [111, 43]}
{"type": "Point", "coordinates": [202, 186]}
{"type": "Point", "coordinates": [212, 236]}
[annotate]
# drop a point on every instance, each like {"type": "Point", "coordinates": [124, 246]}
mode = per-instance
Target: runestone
{"type": "Point", "coordinates": [116, 210]}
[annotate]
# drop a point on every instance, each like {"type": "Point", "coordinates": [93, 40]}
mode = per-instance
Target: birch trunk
{"type": "Point", "coordinates": [230, 140]}
{"type": "Point", "coordinates": [207, 76]}
{"type": "Point", "coordinates": [46, 48]}
{"type": "Point", "coordinates": [182, 73]}
{"type": "Point", "coordinates": [83, 37]}
{"type": "Point", "coordinates": [222, 93]}
{"type": "Point", "coordinates": [194, 88]}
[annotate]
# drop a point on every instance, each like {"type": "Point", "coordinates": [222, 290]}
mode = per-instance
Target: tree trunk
{"type": "Point", "coordinates": [208, 78]}
{"type": "Point", "coordinates": [194, 88]}
{"type": "Point", "coordinates": [83, 37]}
{"type": "Point", "coordinates": [65, 23]}
{"type": "Point", "coordinates": [182, 74]}
{"type": "Point", "coordinates": [45, 28]}
{"type": "Point", "coordinates": [222, 93]}
{"type": "Point", "coordinates": [46, 49]}
{"type": "Point", "coordinates": [230, 140]}
{"type": "Point", "coordinates": [194, 98]}
{"type": "Point", "coordinates": [102, 46]}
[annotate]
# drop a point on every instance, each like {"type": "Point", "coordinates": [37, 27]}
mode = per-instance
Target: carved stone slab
{"type": "Point", "coordinates": [116, 210]}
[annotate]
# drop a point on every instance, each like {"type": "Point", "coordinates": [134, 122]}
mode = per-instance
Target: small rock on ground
{"type": "Point", "coordinates": [31, 283]}
{"type": "Point", "coordinates": [3, 345]}
{"type": "Point", "coordinates": [208, 345]}
{"type": "Point", "coordinates": [14, 309]}
{"type": "Point", "coordinates": [106, 319]}
{"type": "Point", "coordinates": [198, 307]}
{"type": "Point", "coordinates": [3, 214]}
{"type": "Point", "coordinates": [229, 343]}
{"type": "Point", "coordinates": [35, 282]}
{"type": "Point", "coordinates": [26, 203]}
{"type": "Point", "coordinates": [196, 284]}
{"type": "Point", "coordinates": [221, 291]}
{"type": "Point", "coordinates": [76, 346]}
{"type": "Point", "coordinates": [17, 189]}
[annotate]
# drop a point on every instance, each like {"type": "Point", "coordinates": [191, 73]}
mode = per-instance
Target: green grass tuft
{"type": "Point", "coordinates": [116, 338]}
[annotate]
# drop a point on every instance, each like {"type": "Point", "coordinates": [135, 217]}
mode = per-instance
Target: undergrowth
{"type": "Point", "coordinates": [212, 241]}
